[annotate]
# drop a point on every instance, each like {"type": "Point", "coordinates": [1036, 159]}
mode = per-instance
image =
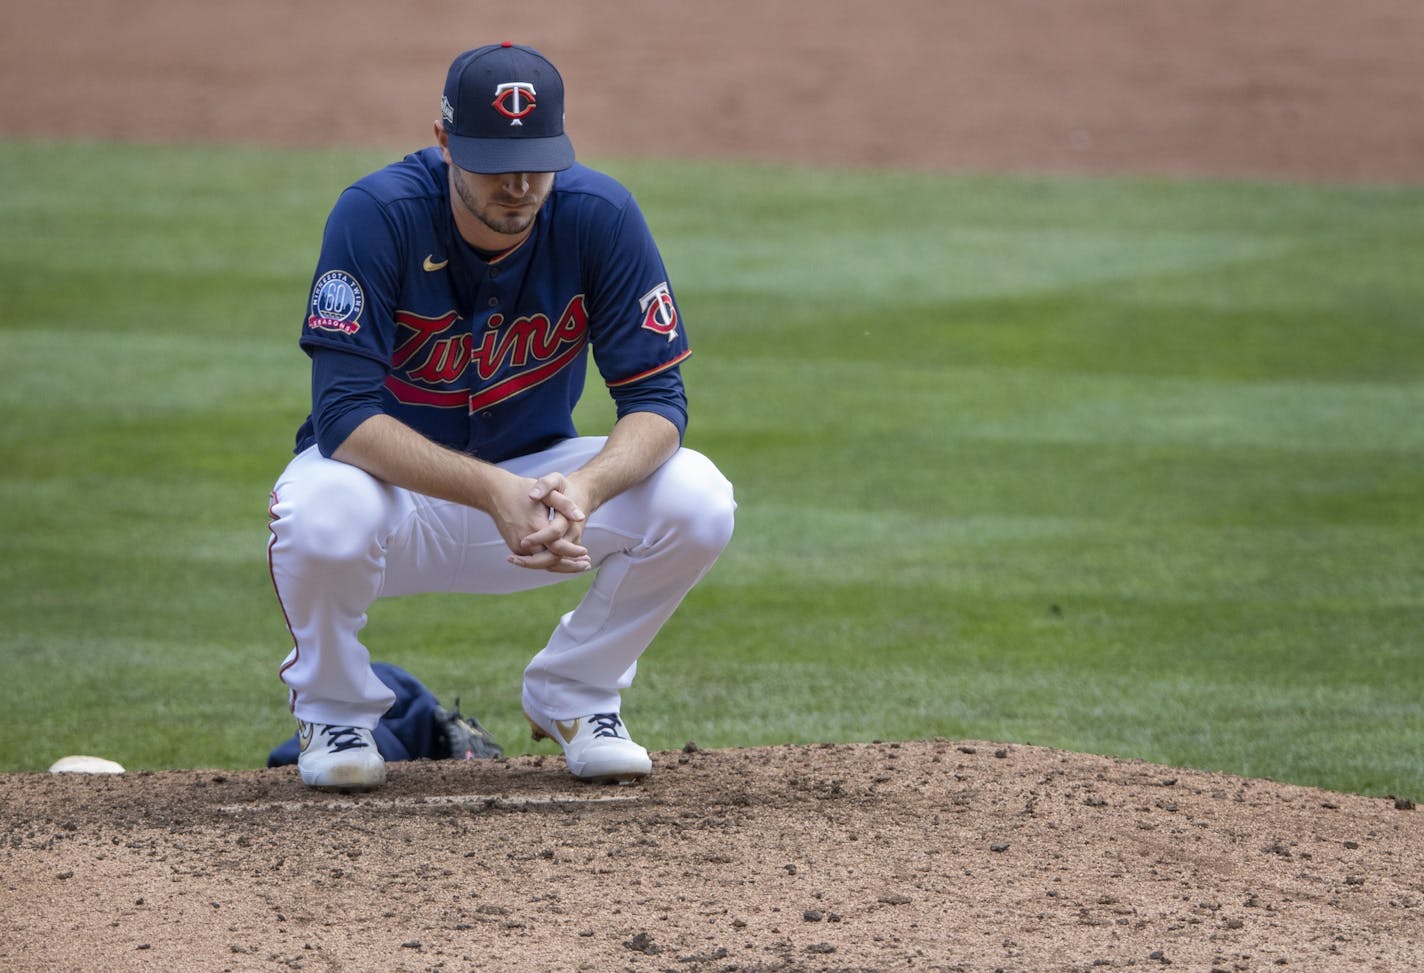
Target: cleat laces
{"type": "Point", "coordinates": [607, 725]}
{"type": "Point", "coordinates": [343, 738]}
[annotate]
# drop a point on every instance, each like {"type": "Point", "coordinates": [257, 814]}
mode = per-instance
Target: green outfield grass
{"type": "Point", "coordinates": [1130, 467]}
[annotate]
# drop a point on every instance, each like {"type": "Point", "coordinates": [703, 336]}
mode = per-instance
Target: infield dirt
{"type": "Point", "coordinates": [915, 855]}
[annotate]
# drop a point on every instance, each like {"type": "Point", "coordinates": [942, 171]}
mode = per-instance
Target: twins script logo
{"type": "Point", "coordinates": [659, 312]}
{"type": "Point", "coordinates": [514, 100]}
{"type": "Point", "coordinates": [509, 359]}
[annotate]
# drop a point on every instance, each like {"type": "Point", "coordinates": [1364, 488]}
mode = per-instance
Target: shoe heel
{"type": "Point", "coordinates": [535, 730]}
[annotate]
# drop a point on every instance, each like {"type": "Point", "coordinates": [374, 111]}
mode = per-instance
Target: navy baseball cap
{"type": "Point", "coordinates": [503, 110]}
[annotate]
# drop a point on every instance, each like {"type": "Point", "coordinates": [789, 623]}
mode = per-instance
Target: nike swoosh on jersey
{"type": "Point", "coordinates": [431, 266]}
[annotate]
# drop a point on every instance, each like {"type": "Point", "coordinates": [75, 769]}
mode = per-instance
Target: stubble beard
{"type": "Point", "coordinates": [492, 214]}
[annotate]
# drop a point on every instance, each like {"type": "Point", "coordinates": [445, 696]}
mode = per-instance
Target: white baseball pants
{"type": "Point", "coordinates": [342, 539]}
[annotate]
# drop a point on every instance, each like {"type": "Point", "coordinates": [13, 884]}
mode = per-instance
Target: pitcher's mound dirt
{"type": "Point", "coordinates": [915, 856]}
{"type": "Point", "coordinates": [933, 855]}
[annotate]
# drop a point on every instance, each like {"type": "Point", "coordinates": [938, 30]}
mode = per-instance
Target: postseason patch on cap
{"type": "Point", "coordinates": [336, 303]}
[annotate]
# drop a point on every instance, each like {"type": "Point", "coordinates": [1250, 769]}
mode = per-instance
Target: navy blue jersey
{"type": "Point", "coordinates": [486, 356]}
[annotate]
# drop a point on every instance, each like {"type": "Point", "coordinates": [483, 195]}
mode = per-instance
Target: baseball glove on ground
{"type": "Point", "coordinates": [462, 738]}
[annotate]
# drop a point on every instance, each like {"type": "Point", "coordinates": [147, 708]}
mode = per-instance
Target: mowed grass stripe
{"type": "Point", "coordinates": [1125, 466]}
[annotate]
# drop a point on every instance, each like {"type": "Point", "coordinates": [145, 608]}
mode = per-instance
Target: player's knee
{"type": "Point", "coordinates": [715, 519]}
{"type": "Point", "coordinates": [704, 507]}
{"type": "Point", "coordinates": [336, 519]}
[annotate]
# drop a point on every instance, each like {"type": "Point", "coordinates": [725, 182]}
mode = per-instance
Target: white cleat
{"type": "Point", "coordinates": [339, 758]}
{"type": "Point", "coordinates": [596, 747]}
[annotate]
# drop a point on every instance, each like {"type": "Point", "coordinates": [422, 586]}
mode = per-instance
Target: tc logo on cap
{"type": "Point", "coordinates": [493, 118]}
{"type": "Point", "coordinates": [514, 100]}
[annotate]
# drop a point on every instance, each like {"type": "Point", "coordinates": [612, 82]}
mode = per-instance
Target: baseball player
{"type": "Point", "coordinates": [455, 299]}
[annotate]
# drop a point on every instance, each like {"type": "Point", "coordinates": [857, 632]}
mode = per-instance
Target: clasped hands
{"type": "Point", "coordinates": [542, 522]}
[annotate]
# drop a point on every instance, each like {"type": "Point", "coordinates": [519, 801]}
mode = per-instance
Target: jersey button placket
{"type": "Point", "coordinates": [492, 302]}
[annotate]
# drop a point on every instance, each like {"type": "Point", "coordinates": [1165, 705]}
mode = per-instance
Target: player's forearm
{"type": "Point", "coordinates": [637, 445]}
{"type": "Point", "coordinates": [392, 451]}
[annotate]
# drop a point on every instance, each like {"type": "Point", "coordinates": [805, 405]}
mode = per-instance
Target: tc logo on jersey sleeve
{"type": "Point", "coordinates": [336, 303]}
{"type": "Point", "coordinates": [659, 312]}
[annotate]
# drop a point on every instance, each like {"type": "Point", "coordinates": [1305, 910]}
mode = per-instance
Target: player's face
{"type": "Point", "coordinates": [506, 203]}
